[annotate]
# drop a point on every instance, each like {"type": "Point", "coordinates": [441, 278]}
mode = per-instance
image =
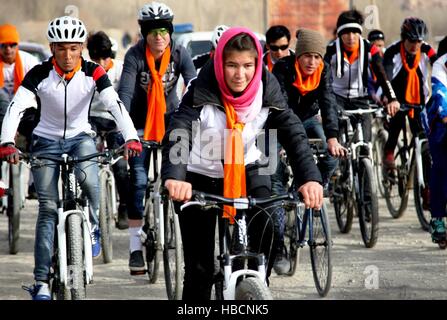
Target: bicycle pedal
{"type": "Point", "coordinates": [137, 272]}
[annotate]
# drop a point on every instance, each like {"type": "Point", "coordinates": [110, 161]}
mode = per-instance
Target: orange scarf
{"type": "Point", "coordinates": [309, 83]}
{"type": "Point", "coordinates": [269, 62]}
{"type": "Point", "coordinates": [154, 130]}
{"type": "Point", "coordinates": [109, 65]}
{"type": "Point", "coordinates": [354, 53]}
{"type": "Point", "coordinates": [412, 94]}
{"type": "Point", "coordinates": [66, 75]}
{"type": "Point", "coordinates": [18, 72]}
{"type": "Point", "coordinates": [234, 167]}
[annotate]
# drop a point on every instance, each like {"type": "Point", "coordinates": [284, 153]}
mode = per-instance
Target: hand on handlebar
{"type": "Point", "coordinates": [179, 190]}
{"type": "Point", "coordinates": [312, 193]}
{"type": "Point", "coordinates": [393, 107]}
{"type": "Point", "coordinates": [335, 148]}
{"type": "Point", "coordinates": [132, 148]}
{"type": "Point", "coordinates": [9, 153]}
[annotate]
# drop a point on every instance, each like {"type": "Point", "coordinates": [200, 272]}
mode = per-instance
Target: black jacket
{"type": "Point", "coordinates": [307, 106]}
{"type": "Point", "coordinates": [204, 91]}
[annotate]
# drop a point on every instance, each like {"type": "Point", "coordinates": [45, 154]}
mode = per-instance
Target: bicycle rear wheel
{"type": "Point", "coordinates": [14, 206]}
{"type": "Point", "coordinates": [172, 253]}
{"type": "Point", "coordinates": [321, 251]}
{"type": "Point", "coordinates": [252, 289]}
{"type": "Point", "coordinates": [106, 215]}
{"type": "Point", "coordinates": [423, 212]}
{"type": "Point", "coordinates": [342, 197]}
{"type": "Point", "coordinates": [152, 232]}
{"type": "Point", "coordinates": [377, 152]}
{"type": "Point", "coordinates": [368, 205]}
{"type": "Point", "coordinates": [291, 240]}
{"type": "Point", "coordinates": [75, 257]}
{"type": "Point", "coordinates": [396, 191]}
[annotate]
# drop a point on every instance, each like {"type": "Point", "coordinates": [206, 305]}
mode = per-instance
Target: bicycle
{"type": "Point", "coordinates": [413, 163]}
{"type": "Point", "coordinates": [161, 235]}
{"type": "Point", "coordinates": [14, 201]}
{"type": "Point", "coordinates": [379, 138]}
{"type": "Point", "coordinates": [72, 267]}
{"type": "Point", "coordinates": [355, 188]}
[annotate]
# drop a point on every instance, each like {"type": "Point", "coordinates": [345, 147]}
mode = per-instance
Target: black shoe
{"type": "Point", "coordinates": [136, 263]}
{"type": "Point", "coordinates": [32, 194]}
{"type": "Point", "coordinates": [122, 222]}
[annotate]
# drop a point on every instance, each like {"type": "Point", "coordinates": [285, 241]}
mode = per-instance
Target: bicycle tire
{"type": "Point", "coordinates": [378, 147]}
{"type": "Point", "coordinates": [368, 204]}
{"type": "Point", "coordinates": [342, 198]}
{"type": "Point", "coordinates": [423, 215]}
{"type": "Point", "coordinates": [291, 241]}
{"type": "Point", "coordinates": [152, 253]}
{"type": "Point", "coordinates": [172, 253]}
{"type": "Point", "coordinates": [252, 288]}
{"type": "Point", "coordinates": [322, 272]}
{"type": "Point", "coordinates": [106, 216]}
{"type": "Point", "coordinates": [14, 207]}
{"type": "Point", "coordinates": [396, 195]}
{"type": "Point", "coordinates": [75, 257]}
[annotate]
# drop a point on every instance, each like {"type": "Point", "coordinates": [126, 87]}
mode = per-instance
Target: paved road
{"type": "Point", "coordinates": [403, 265]}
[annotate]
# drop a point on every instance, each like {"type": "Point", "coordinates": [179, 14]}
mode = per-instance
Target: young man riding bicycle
{"type": "Point", "coordinates": [62, 88]}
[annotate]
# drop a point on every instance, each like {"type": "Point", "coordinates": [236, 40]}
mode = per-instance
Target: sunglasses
{"type": "Point", "coordinates": [277, 48]}
{"type": "Point", "coordinates": [159, 31]}
{"type": "Point", "coordinates": [6, 45]}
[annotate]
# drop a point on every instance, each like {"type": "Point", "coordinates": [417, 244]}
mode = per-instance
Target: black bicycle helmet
{"type": "Point", "coordinates": [413, 29]}
{"type": "Point", "coordinates": [376, 35]}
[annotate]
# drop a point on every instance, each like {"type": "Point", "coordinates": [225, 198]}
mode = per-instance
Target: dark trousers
{"type": "Point", "coordinates": [198, 233]}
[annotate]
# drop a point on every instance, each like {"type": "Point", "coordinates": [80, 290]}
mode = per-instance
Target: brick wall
{"type": "Point", "coordinates": [317, 15]}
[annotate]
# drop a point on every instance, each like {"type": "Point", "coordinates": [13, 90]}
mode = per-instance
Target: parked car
{"type": "Point", "coordinates": [38, 50]}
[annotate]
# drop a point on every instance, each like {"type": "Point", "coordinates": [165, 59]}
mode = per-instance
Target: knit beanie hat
{"type": "Point", "coordinates": [351, 20]}
{"type": "Point", "coordinates": [9, 34]}
{"type": "Point", "coordinates": [309, 41]}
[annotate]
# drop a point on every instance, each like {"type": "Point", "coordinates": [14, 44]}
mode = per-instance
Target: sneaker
{"type": "Point", "coordinates": [96, 241]}
{"type": "Point", "coordinates": [32, 194]}
{"type": "Point", "coordinates": [39, 291]}
{"type": "Point", "coordinates": [388, 160]}
{"type": "Point", "coordinates": [437, 229]}
{"type": "Point", "coordinates": [122, 222]}
{"type": "Point", "coordinates": [282, 263]}
{"type": "Point", "coordinates": [136, 263]}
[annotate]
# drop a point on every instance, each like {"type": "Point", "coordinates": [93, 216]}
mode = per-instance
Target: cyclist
{"type": "Point", "coordinates": [407, 64]}
{"type": "Point", "coordinates": [100, 49]}
{"type": "Point", "coordinates": [377, 38]}
{"type": "Point", "coordinates": [234, 92]}
{"type": "Point", "coordinates": [350, 57]}
{"type": "Point", "coordinates": [148, 89]}
{"type": "Point", "coordinates": [61, 88]}
{"type": "Point", "coordinates": [277, 44]}
{"type": "Point", "coordinates": [434, 119]}
{"type": "Point", "coordinates": [200, 60]}
{"type": "Point", "coordinates": [306, 79]}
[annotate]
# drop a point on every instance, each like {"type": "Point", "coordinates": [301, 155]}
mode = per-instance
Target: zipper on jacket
{"type": "Point", "coordinates": [65, 108]}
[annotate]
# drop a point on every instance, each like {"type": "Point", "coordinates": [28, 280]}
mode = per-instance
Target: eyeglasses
{"type": "Point", "coordinates": [6, 45]}
{"type": "Point", "coordinates": [277, 48]}
{"type": "Point", "coordinates": [159, 31]}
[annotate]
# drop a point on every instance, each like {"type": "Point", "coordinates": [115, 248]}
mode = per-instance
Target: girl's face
{"type": "Point", "coordinates": [239, 69]}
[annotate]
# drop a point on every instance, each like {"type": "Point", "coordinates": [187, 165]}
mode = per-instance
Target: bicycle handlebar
{"type": "Point", "coordinates": [151, 144]}
{"type": "Point", "coordinates": [203, 199]}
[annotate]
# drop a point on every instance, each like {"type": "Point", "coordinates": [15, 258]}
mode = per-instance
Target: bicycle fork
{"type": "Point", "coordinates": [418, 157]}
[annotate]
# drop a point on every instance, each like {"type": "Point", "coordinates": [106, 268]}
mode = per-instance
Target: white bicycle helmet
{"type": "Point", "coordinates": [217, 33]}
{"type": "Point", "coordinates": [66, 29]}
{"type": "Point", "coordinates": [155, 11]}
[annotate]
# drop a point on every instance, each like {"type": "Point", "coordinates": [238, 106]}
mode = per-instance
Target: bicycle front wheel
{"type": "Point", "coordinates": [423, 210]}
{"type": "Point", "coordinates": [396, 191]}
{"type": "Point", "coordinates": [172, 253]}
{"type": "Point", "coordinates": [321, 251]}
{"type": "Point", "coordinates": [291, 240]}
{"type": "Point", "coordinates": [342, 197]}
{"type": "Point", "coordinates": [14, 206]}
{"type": "Point", "coordinates": [152, 232]}
{"type": "Point", "coordinates": [368, 205]}
{"type": "Point", "coordinates": [106, 215]}
{"type": "Point", "coordinates": [75, 257]}
{"type": "Point", "coordinates": [378, 147]}
{"type": "Point", "coordinates": [252, 289]}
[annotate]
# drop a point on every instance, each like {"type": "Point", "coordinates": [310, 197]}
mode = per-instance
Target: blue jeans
{"type": "Point", "coordinates": [46, 182]}
{"type": "Point", "coordinates": [139, 167]}
{"type": "Point", "coordinates": [327, 164]}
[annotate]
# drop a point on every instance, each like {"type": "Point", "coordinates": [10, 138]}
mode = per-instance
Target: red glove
{"type": "Point", "coordinates": [132, 148]}
{"type": "Point", "coordinates": [10, 153]}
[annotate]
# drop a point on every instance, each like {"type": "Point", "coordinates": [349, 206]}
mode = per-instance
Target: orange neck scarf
{"type": "Point", "coordinates": [18, 72]}
{"type": "Point", "coordinates": [309, 83]}
{"type": "Point", "coordinates": [269, 62]}
{"type": "Point", "coordinates": [109, 65]}
{"type": "Point", "coordinates": [354, 53]}
{"type": "Point", "coordinates": [66, 75]}
{"type": "Point", "coordinates": [154, 130]}
{"type": "Point", "coordinates": [412, 94]}
{"type": "Point", "coordinates": [234, 167]}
